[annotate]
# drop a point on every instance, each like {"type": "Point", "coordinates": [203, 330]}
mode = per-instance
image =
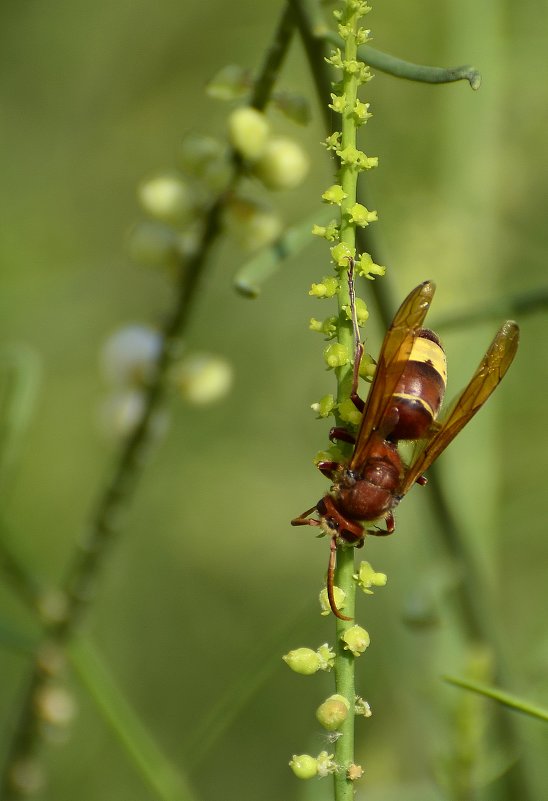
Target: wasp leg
{"type": "Point", "coordinates": [328, 469]}
{"type": "Point", "coordinates": [331, 579]}
{"type": "Point", "coordinates": [304, 520]}
{"type": "Point", "coordinates": [342, 434]}
{"type": "Point", "coordinates": [390, 527]}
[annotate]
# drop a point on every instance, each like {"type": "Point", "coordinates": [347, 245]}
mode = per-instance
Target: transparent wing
{"type": "Point", "coordinates": [394, 355]}
{"type": "Point", "coordinates": [485, 380]}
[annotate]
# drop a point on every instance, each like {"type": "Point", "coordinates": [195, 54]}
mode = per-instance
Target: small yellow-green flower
{"type": "Point", "coordinates": [327, 326]}
{"type": "Point", "coordinates": [335, 194]}
{"type": "Point", "coordinates": [325, 406]}
{"type": "Point", "coordinates": [366, 267]}
{"type": "Point", "coordinates": [362, 312]}
{"type": "Point", "coordinates": [361, 112]}
{"type": "Point", "coordinates": [327, 656]}
{"type": "Point", "coordinates": [340, 599]}
{"type": "Point", "coordinates": [339, 103]}
{"type": "Point", "coordinates": [356, 639]}
{"type": "Point", "coordinates": [348, 412]}
{"type": "Point", "coordinates": [328, 287]}
{"type": "Point", "coordinates": [335, 59]}
{"type": "Point", "coordinates": [336, 355]}
{"type": "Point", "coordinates": [342, 254]}
{"type": "Point", "coordinates": [329, 231]}
{"type": "Point", "coordinates": [362, 216]}
{"type": "Point", "coordinates": [367, 578]}
{"type": "Point", "coordinates": [333, 142]}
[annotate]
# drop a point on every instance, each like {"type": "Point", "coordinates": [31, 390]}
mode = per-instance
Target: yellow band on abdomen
{"type": "Point", "coordinates": [429, 352]}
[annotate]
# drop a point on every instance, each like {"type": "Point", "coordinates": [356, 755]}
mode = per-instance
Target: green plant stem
{"type": "Point", "coordinates": [344, 667]}
{"type": "Point", "coordinates": [421, 73]}
{"type": "Point", "coordinates": [26, 586]}
{"type": "Point", "coordinates": [311, 12]}
{"type": "Point", "coordinates": [506, 699]}
{"type": "Point", "coordinates": [274, 58]}
{"type": "Point", "coordinates": [473, 606]}
{"type": "Point", "coordinates": [345, 676]}
{"type": "Point", "coordinates": [166, 783]}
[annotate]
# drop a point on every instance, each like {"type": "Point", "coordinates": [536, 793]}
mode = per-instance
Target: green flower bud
{"type": "Point", "coordinates": [327, 326]}
{"type": "Point", "coordinates": [361, 112]}
{"type": "Point", "coordinates": [335, 59]}
{"type": "Point", "coordinates": [363, 36]}
{"type": "Point", "coordinates": [367, 578]}
{"type": "Point", "coordinates": [356, 639]}
{"type": "Point", "coordinates": [340, 599]}
{"type": "Point", "coordinates": [203, 378]}
{"type": "Point", "coordinates": [196, 151]}
{"type": "Point", "coordinates": [367, 267]}
{"type": "Point", "coordinates": [303, 660]}
{"type": "Point", "coordinates": [26, 777]}
{"type": "Point", "coordinates": [294, 106]}
{"type": "Point", "coordinates": [334, 194]}
{"type": "Point", "coordinates": [362, 216]}
{"type": "Point", "coordinates": [230, 83]}
{"type": "Point", "coordinates": [253, 225]}
{"type": "Point", "coordinates": [129, 356]}
{"type": "Point", "coordinates": [283, 164]}
{"type": "Point", "coordinates": [328, 287]}
{"type": "Point", "coordinates": [167, 198]}
{"type": "Point", "coordinates": [362, 312]}
{"type": "Point", "coordinates": [329, 232]}
{"type": "Point", "coordinates": [349, 413]}
{"type": "Point", "coordinates": [367, 367]}
{"type": "Point", "coordinates": [331, 454]}
{"type": "Point", "coordinates": [354, 157]}
{"type": "Point", "coordinates": [339, 103]}
{"type": "Point", "coordinates": [52, 606]}
{"type": "Point", "coordinates": [333, 142]}
{"type": "Point", "coordinates": [336, 355]}
{"type": "Point", "coordinates": [304, 766]}
{"type": "Point", "coordinates": [248, 131]}
{"type": "Point", "coordinates": [333, 712]}
{"type": "Point", "coordinates": [342, 254]}
{"type": "Point", "coordinates": [325, 406]}
{"type": "Point", "coordinates": [54, 705]}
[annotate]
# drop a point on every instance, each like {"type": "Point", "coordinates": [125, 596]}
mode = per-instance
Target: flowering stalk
{"type": "Point", "coordinates": [351, 639]}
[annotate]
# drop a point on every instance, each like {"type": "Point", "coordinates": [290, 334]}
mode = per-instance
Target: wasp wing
{"type": "Point", "coordinates": [393, 357]}
{"type": "Point", "coordinates": [485, 380]}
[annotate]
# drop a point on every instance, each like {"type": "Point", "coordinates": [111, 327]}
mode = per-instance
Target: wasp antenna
{"type": "Point", "coordinates": [331, 580]}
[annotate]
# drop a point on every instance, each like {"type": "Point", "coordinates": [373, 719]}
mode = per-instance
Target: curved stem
{"type": "Point", "coordinates": [410, 71]}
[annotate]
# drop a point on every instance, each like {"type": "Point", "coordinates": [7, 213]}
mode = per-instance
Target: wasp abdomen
{"type": "Point", "coordinates": [420, 390]}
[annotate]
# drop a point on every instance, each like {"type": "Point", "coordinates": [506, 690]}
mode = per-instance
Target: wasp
{"type": "Point", "coordinates": [403, 404]}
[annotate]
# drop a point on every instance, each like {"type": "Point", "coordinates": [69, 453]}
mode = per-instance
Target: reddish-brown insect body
{"type": "Point", "coordinates": [403, 404]}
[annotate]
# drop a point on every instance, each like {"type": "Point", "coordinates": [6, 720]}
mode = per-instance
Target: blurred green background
{"type": "Point", "coordinates": [209, 585]}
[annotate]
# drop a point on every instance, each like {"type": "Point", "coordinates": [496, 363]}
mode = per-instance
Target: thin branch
{"type": "Point", "coordinates": [106, 520]}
